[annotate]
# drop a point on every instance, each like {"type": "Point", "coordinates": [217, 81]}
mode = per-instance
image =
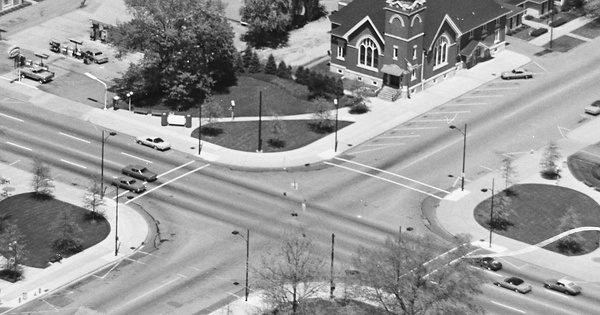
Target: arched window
{"type": "Point", "coordinates": [369, 55]}
{"type": "Point", "coordinates": [440, 52]}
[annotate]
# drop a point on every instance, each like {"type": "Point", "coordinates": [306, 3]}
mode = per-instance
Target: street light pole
{"type": "Point", "coordinates": [335, 101]}
{"type": "Point", "coordinates": [332, 285]}
{"type": "Point", "coordinates": [247, 239]}
{"type": "Point", "coordinates": [102, 162]}
{"type": "Point", "coordinates": [462, 186]}
{"type": "Point", "coordinates": [117, 223]}
{"type": "Point", "coordinates": [259, 122]}
{"type": "Point", "coordinates": [199, 129]}
{"type": "Point", "coordinates": [91, 76]}
{"type": "Point", "coordinates": [129, 94]}
{"type": "Point", "coordinates": [491, 211]}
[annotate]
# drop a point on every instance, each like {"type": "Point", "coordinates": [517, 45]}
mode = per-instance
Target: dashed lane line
{"type": "Point", "coordinates": [11, 117]}
{"type": "Point", "coordinates": [135, 157]}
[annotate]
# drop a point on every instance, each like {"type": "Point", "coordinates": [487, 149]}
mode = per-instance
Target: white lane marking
{"type": "Point", "coordinates": [182, 276]}
{"type": "Point", "coordinates": [165, 183]}
{"type": "Point", "coordinates": [73, 137]}
{"type": "Point", "coordinates": [186, 164]}
{"type": "Point", "coordinates": [121, 194]}
{"type": "Point", "coordinates": [558, 294]}
{"type": "Point", "coordinates": [415, 128]}
{"type": "Point", "coordinates": [393, 174]}
{"type": "Point", "coordinates": [11, 117]}
{"type": "Point", "coordinates": [74, 164]}
{"type": "Point", "coordinates": [153, 290]}
{"type": "Point", "coordinates": [15, 162]}
{"type": "Point", "coordinates": [482, 96]}
{"type": "Point", "coordinates": [19, 146]}
{"type": "Point", "coordinates": [540, 66]}
{"type": "Point", "coordinates": [504, 88]}
{"type": "Point", "coordinates": [455, 112]}
{"type": "Point", "coordinates": [375, 149]}
{"type": "Point", "coordinates": [407, 136]}
{"type": "Point", "coordinates": [509, 307]}
{"type": "Point", "coordinates": [429, 120]}
{"type": "Point", "coordinates": [135, 157]}
{"type": "Point", "coordinates": [383, 179]}
{"type": "Point", "coordinates": [466, 104]}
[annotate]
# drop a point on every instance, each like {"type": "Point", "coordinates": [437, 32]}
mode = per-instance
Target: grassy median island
{"type": "Point", "coordinates": [536, 211]}
{"type": "Point", "coordinates": [35, 218]}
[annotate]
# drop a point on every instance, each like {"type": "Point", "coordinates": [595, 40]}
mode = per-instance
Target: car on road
{"type": "Point", "coordinates": [154, 142]}
{"type": "Point", "coordinates": [139, 172]}
{"type": "Point", "coordinates": [96, 56]}
{"type": "Point", "coordinates": [129, 183]}
{"type": "Point", "coordinates": [563, 285]}
{"type": "Point", "coordinates": [40, 74]}
{"type": "Point", "coordinates": [517, 74]}
{"type": "Point", "coordinates": [515, 284]}
{"type": "Point", "coordinates": [489, 263]}
{"type": "Point", "coordinates": [594, 108]}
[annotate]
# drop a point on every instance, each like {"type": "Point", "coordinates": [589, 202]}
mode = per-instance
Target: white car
{"type": "Point", "coordinates": [517, 74]}
{"type": "Point", "coordinates": [594, 108]}
{"type": "Point", "coordinates": [154, 142]}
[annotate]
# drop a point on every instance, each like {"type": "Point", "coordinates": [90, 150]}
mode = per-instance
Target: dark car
{"type": "Point", "coordinates": [489, 263]}
{"type": "Point", "coordinates": [515, 284]}
{"type": "Point", "coordinates": [139, 172]}
{"type": "Point", "coordinates": [563, 285]}
{"type": "Point", "coordinates": [40, 74]}
{"type": "Point", "coordinates": [129, 184]}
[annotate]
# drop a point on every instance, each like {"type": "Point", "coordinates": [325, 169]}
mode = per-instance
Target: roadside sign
{"type": "Point", "coordinates": [14, 51]}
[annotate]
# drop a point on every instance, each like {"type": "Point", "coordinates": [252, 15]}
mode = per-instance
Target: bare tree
{"type": "Point", "coordinates": [418, 276]}
{"type": "Point", "coordinates": [549, 168]}
{"type": "Point", "coordinates": [93, 199]}
{"type": "Point", "coordinates": [42, 181]}
{"type": "Point", "coordinates": [68, 243]}
{"type": "Point", "coordinates": [508, 172]}
{"type": "Point", "coordinates": [293, 273]}
{"type": "Point", "coordinates": [277, 129]}
{"type": "Point", "coordinates": [12, 244]}
{"type": "Point", "coordinates": [572, 242]}
{"type": "Point", "coordinates": [322, 121]}
{"type": "Point", "coordinates": [211, 112]}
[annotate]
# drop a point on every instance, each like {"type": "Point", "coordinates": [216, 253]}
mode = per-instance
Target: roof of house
{"type": "Point", "coordinates": [462, 15]}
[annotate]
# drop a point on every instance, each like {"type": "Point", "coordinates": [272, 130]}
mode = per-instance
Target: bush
{"type": "Point", "coordinates": [359, 108]}
{"type": "Point", "coordinates": [11, 275]}
{"type": "Point", "coordinates": [528, 17]}
{"type": "Point", "coordinates": [558, 22]}
{"type": "Point", "coordinates": [538, 32]}
{"type": "Point", "coordinates": [67, 246]}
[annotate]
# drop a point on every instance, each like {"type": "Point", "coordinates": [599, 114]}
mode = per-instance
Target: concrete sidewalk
{"type": "Point", "coordinates": [133, 230]}
{"type": "Point", "coordinates": [556, 32]}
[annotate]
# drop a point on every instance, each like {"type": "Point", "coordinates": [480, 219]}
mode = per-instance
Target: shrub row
{"type": "Point", "coordinates": [538, 32]}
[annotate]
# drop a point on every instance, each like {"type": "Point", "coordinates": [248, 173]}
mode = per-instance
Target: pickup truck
{"type": "Point", "coordinates": [40, 74]}
{"type": "Point", "coordinates": [96, 56]}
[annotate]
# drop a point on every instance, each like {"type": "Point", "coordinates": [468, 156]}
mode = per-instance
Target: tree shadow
{"type": "Point", "coordinates": [566, 246]}
{"type": "Point", "coordinates": [500, 224]}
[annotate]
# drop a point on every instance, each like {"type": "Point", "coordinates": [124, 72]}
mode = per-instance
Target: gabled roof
{"type": "Point", "coordinates": [356, 13]}
{"type": "Point", "coordinates": [465, 15]}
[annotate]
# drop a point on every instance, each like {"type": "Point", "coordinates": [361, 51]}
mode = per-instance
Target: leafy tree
{"type": "Point", "coordinates": [412, 277]}
{"type": "Point", "coordinates": [301, 76]}
{"type": "Point", "coordinates": [291, 274]}
{"type": "Point", "coordinates": [313, 10]}
{"type": "Point", "coordinates": [322, 121]}
{"type": "Point", "coordinates": [42, 180]}
{"type": "Point", "coordinates": [508, 172]}
{"type": "Point", "coordinates": [67, 242]}
{"type": "Point", "coordinates": [13, 246]}
{"type": "Point", "coordinates": [247, 56]}
{"type": "Point", "coordinates": [572, 242]}
{"type": "Point", "coordinates": [271, 66]}
{"type": "Point", "coordinates": [254, 64]}
{"type": "Point", "coordinates": [549, 168]}
{"type": "Point", "coordinates": [282, 70]}
{"type": "Point", "coordinates": [239, 64]}
{"type": "Point", "coordinates": [289, 72]}
{"type": "Point", "coordinates": [359, 101]}
{"type": "Point", "coordinates": [211, 112]}
{"type": "Point", "coordinates": [592, 8]}
{"type": "Point", "coordinates": [268, 21]}
{"type": "Point", "coordinates": [93, 199]}
{"type": "Point", "coordinates": [187, 50]}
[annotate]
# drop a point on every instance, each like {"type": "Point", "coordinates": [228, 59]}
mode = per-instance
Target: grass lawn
{"type": "Point", "coordinates": [590, 30]}
{"type": "Point", "coordinates": [523, 33]}
{"type": "Point", "coordinates": [34, 218]}
{"type": "Point", "coordinates": [243, 135]}
{"type": "Point", "coordinates": [564, 43]}
{"type": "Point", "coordinates": [537, 210]}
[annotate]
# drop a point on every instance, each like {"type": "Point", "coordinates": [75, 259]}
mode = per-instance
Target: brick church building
{"type": "Point", "coordinates": [402, 46]}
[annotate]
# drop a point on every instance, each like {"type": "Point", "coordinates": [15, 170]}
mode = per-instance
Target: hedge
{"type": "Point", "coordinates": [538, 32]}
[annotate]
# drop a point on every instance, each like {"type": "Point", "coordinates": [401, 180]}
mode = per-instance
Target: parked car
{"type": "Point", "coordinates": [154, 142]}
{"type": "Point", "coordinates": [594, 108]}
{"type": "Point", "coordinates": [515, 284]}
{"type": "Point", "coordinates": [563, 285]}
{"type": "Point", "coordinates": [129, 184]}
{"type": "Point", "coordinates": [139, 172]}
{"type": "Point", "coordinates": [40, 74]}
{"type": "Point", "coordinates": [96, 56]}
{"type": "Point", "coordinates": [517, 74]}
{"type": "Point", "coordinates": [489, 263]}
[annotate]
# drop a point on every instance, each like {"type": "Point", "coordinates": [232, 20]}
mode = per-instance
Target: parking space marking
{"type": "Point", "coordinates": [481, 96]}
{"type": "Point", "coordinates": [416, 128]}
{"type": "Point", "coordinates": [429, 120]}
{"type": "Point", "coordinates": [135, 157]}
{"type": "Point", "coordinates": [394, 137]}
{"type": "Point", "coordinates": [378, 148]}
{"type": "Point", "coordinates": [454, 112]}
{"type": "Point", "coordinates": [466, 104]}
